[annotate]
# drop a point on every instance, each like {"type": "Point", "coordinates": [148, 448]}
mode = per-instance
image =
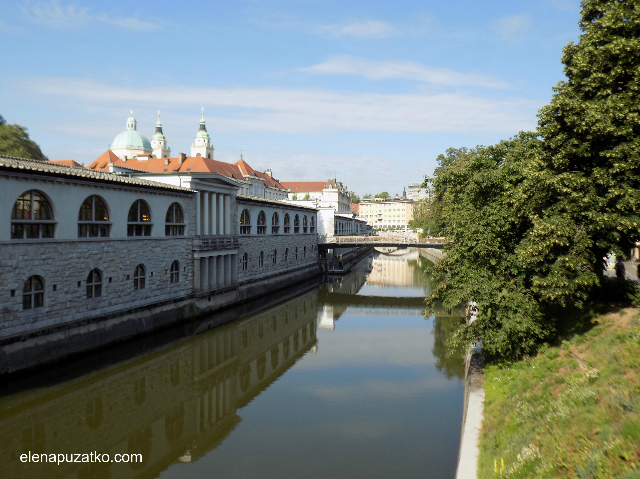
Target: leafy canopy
{"type": "Point", "coordinates": [531, 218]}
{"type": "Point", "coordinates": [15, 141]}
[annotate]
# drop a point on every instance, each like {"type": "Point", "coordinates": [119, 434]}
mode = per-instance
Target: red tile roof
{"type": "Point", "coordinates": [66, 163]}
{"type": "Point", "coordinates": [248, 171]}
{"type": "Point", "coordinates": [355, 207]}
{"type": "Point", "coordinates": [191, 164]}
{"type": "Point", "coordinates": [304, 186]}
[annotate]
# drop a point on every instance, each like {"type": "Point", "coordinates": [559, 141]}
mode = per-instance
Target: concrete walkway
{"type": "Point", "coordinates": [469, 445]}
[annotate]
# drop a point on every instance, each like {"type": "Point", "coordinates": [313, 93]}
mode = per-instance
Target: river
{"type": "Point", "coordinates": [346, 379]}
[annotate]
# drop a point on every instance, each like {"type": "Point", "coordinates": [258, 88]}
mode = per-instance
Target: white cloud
{"type": "Point", "coordinates": [361, 29]}
{"type": "Point", "coordinates": [59, 16]}
{"type": "Point", "coordinates": [407, 70]}
{"type": "Point", "coordinates": [512, 28]}
{"type": "Point", "coordinates": [307, 111]}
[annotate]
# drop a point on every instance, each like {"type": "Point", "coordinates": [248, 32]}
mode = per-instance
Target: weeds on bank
{"type": "Point", "coordinates": [571, 411]}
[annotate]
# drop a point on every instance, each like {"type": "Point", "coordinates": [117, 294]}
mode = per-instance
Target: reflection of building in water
{"type": "Point", "coordinates": [172, 405]}
{"type": "Point", "coordinates": [394, 269]}
{"type": "Point", "coordinates": [351, 283]}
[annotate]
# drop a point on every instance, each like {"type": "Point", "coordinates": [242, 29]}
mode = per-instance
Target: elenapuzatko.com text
{"type": "Point", "coordinates": [80, 457]}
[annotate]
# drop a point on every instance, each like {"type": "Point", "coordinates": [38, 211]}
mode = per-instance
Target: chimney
{"type": "Point", "coordinates": [166, 162]}
{"type": "Point", "coordinates": [181, 158]}
{"type": "Point", "coordinates": [124, 159]}
{"type": "Point", "coordinates": [268, 172]}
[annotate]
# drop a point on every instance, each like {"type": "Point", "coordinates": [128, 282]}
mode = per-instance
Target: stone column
{"type": "Point", "coordinates": [234, 268]}
{"type": "Point", "coordinates": [198, 227]}
{"type": "Point", "coordinates": [227, 269]}
{"type": "Point", "coordinates": [212, 272]}
{"type": "Point", "coordinates": [214, 214]}
{"type": "Point", "coordinates": [221, 221]}
{"type": "Point", "coordinates": [227, 214]}
{"type": "Point", "coordinates": [196, 274]}
{"type": "Point", "coordinates": [205, 213]}
{"type": "Point", "coordinates": [204, 274]}
{"type": "Point", "coordinates": [220, 272]}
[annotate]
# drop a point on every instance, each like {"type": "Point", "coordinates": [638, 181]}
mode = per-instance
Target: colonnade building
{"type": "Point", "coordinates": [89, 256]}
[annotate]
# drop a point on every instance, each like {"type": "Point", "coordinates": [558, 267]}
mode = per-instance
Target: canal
{"type": "Point", "coordinates": [344, 379]}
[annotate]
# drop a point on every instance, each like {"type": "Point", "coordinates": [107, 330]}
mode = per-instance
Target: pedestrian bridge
{"type": "Point", "coordinates": [381, 241]}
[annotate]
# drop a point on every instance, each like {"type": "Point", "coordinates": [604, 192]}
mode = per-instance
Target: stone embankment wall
{"type": "Point", "coordinates": [280, 253]}
{"type": "Point", "coordinates": [432, 254]}
{"type": "Point", "coordinates": [64, 268]}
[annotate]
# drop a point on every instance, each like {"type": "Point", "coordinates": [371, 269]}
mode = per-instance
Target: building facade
{"type": "Point", "coordinates": [78, 245]}
{"type": "Point", "coordinates": [322, 194]}
{"type": "Point", "coordinates": [416, 192]}
{"type": "Point", "coordinates": [387, 214]}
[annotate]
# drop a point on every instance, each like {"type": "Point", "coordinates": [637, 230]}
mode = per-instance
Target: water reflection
{"type": "Point", "coordinates": [171, 406]}
{"type": "Point", "coordinates": [378, 397]}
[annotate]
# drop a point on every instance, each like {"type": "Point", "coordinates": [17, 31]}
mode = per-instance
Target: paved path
{"type": "Point", "coordinates": [469, 445]}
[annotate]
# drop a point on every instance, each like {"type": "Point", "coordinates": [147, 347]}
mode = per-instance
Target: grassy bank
{"type": "Point", "coordinates": [571, 411]}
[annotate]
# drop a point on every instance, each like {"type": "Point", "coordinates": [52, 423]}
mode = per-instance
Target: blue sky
{"type": "Point", "coordinates": [371, 91]}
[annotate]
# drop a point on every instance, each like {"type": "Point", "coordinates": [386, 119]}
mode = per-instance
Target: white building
{"type": "Point", "coordinates": [416, 192]}
{"type": "Point", "coordinates": [329, 194]}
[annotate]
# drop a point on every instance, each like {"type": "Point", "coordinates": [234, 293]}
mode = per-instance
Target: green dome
{"type": "Point", "coordinates": [131, 138]}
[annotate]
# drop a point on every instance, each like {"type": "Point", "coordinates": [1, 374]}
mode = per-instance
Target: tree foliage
{"type": "Point", "coordinates": [384, 195]}
{"type": "Point", "coordinates": [355, 199]}
{"type": "Point", "coordinates": [15, 141]}
{"type": "Point", "coordinates": [531, 218]}
{"type": "Point", "coordinates": [422, 218]}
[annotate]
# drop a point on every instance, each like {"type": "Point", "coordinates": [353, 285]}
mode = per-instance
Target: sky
{"type": "Point", "coordinates": [368, 91]}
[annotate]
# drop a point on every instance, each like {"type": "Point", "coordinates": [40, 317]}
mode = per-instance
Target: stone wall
{"type": "Point", "coordinates": [290, 252]}
{"type": "Point", "coordinates": [65, 265]}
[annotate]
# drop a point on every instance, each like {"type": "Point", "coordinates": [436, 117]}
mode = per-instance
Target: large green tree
{"type": "Point", "coordinates": [531, 218]}
{"type": "Point", "coordinates": [15, 141]}
{"type": "Point", "coordinates": [475, 203]}
{"type": "Point", "coordinates": [591, 132]}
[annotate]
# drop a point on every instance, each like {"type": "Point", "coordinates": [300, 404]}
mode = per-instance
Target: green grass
{"type": "Point", "coordinates": [572, 411]}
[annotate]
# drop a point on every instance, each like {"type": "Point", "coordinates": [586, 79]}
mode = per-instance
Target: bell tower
{"type": "Point", "coordinates": [202, 143]}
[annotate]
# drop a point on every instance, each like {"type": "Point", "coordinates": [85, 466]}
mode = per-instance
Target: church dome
{"type": "Point", "coordinates": [130, 138]}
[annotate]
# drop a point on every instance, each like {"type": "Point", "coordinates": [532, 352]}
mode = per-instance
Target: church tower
{"type": "Point", "coordinates": [202, 143]}
{"type": "Point", "coordinates": [159, 142]}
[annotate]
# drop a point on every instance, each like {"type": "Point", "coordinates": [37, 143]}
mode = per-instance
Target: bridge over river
{"type": "Point", "coordinates": [382, 241]}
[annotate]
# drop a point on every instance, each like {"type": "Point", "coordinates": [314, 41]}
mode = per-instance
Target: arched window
{"type": "Point", "coordinates": [174, 272]}
{"type": "Point", "coordinates": [245, 223]}
{"type": "Point", "coordinates": [275, 256]}
{"type": "Point", "coordinates": [174, 221]}
{"type": "Point", "coordinates": [304, 224]}
{"type": "Point", "coordinates": [313, 225]}
{"type": "Point", "coordinates": [296, 253]}
{"type": "Point", "coordinates": [296, 224]}
{"type": "Point", "coordinates": [261, 259]}
{"type": "Point", "coordinates": [94, 284]}
{"type": "Point", "coordinates": [287, 224]}
{"type": "Point", "coordinates": [93, 219]}
{"type": "Point", "coordinates": [139, 277]}
{"type": "Point", "coordinates": [33, 293]}
{"type": "Point", "coordinates": [139, 219]}
{"type": "Point", "coordinates": [275, 224]}
{"type": "Point", "coordinates": [262, 223]}
{"type": "Point", "coordinates": [286, 255]}
{"type": "Point", "coordinates": [32, 216]}
{"type": "Point", "coordinates": [244, 261]}
{"type": "Point", "coordinates": [304, 252]}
